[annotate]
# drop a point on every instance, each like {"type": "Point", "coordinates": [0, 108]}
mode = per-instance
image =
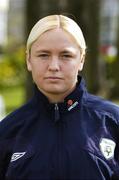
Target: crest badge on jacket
{"type": "Point", "coordinates": [107, 147]}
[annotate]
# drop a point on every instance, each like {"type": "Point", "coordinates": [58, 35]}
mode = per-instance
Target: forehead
{"type": "Point", "coordinates": [55, 38]}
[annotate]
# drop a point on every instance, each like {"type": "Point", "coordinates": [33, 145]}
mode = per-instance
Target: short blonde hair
{"type": "Point", "coordinates": [57, 21]}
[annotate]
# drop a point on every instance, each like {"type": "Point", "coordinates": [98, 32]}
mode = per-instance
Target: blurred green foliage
{"type": "Point", "coordinates": [109, 59]}
{"type": "Point", "coordinates": [14, 97]}
{"type": "Point", "coordinates": [12, 66]}
{"type": "Point", "coordinates": [12, 76]}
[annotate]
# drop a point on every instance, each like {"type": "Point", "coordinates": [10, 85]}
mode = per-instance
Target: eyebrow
{"type": "Point", "coordinates": [42, 51]}
{"type": "Point", "coordinates": [69, 50]}
{"type": "Point", "coordinates": [65, 50]}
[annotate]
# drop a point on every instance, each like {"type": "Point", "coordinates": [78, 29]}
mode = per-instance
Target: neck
{"type": "Point", "coordinates": [57, 97]}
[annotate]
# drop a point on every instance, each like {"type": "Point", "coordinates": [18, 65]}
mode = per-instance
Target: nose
{"type": "Point", "coordinates": [54, 64]}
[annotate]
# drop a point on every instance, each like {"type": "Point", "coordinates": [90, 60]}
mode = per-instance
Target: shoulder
{"type": "Point", "coordinates": [102, 106]}
{"type": "Point", "coordinates": [15, 120]}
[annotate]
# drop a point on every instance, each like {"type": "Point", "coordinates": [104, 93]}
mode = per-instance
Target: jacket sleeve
{"type": "Point", "coordinates": [5, 156]}
{"type": "Point", "coordinates": [115, 165]}
{"type": "Point", "coordinates": [117, 158]}
{"type": "Point", "coordinates": [6, 146]}
{"type": "Point", "coordinates": [9, 128]}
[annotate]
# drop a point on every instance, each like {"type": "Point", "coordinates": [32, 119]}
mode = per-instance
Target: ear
{"type": "Point", "coordinates": [28, 61]}
{"type": "Point", "coordinates": [82, 60]}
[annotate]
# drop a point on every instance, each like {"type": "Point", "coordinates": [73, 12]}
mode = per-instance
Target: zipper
{"type": "Point", "coordinates": [57, 114]}
{"type": "Point", "coordinates": [60, 154]}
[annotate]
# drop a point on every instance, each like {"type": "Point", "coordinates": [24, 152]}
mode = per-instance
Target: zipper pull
{"type": "Point", "coordinates": [57, 114]}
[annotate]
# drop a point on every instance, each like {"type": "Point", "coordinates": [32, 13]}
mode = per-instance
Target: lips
{"type": "Point", "coordinates": [53, 77]}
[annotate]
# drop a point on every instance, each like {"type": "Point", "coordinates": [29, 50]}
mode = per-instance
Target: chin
{"type": "Point", "coordinates": [54, 91]}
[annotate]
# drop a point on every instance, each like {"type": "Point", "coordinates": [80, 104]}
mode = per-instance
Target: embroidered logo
{"type": "Point", "coordinates": [17, 155]}
{"type": "Point", "coordinates": [107, 147]}
{"type": "Point", "coordinates": [69, 102]}
{"type": "Point", "coordinates": [72, 106]}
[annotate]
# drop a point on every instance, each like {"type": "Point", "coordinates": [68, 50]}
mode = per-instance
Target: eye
{"type": "Point", "coordinates": [66, 56]}
{"type": "Point", "coordinates": [43, 56]}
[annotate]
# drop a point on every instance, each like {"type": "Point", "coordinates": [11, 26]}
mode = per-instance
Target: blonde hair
{"type": "Point", "coordinates": [57, 21]}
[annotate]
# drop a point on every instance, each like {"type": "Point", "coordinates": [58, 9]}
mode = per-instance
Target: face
{"type": "Point", "coordinates": [54, 61]}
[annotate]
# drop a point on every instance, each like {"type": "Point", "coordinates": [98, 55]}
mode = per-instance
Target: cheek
{"type": "Point", "coordinates": [36, 68]}
{"type": "Point", "coordinates": [74, 68]}
{"type": "Point", "coordinates": [36, 71]}
{"type": "Point", "coordinates": [72, 74]}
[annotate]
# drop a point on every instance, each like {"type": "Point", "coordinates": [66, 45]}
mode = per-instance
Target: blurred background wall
{"type": "Point", "coordinates": [99, 20]}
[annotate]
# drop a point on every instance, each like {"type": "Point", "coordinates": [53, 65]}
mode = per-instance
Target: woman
{"type": "Point", "coordinates": [63, 132]}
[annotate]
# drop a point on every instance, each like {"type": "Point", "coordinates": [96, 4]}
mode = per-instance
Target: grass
{"type": "Point", "coordinates": [13, 97]}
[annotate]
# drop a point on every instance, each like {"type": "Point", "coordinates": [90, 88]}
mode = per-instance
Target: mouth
{"type": "Point", "coordinates": [53, 77]}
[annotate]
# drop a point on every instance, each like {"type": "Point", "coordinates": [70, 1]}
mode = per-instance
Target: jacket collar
{"type": "Point", "coordinates": [70, 102]}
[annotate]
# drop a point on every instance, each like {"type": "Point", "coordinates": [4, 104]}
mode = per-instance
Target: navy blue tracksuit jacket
{"type": "Point", "coordinates": [77, 139]}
